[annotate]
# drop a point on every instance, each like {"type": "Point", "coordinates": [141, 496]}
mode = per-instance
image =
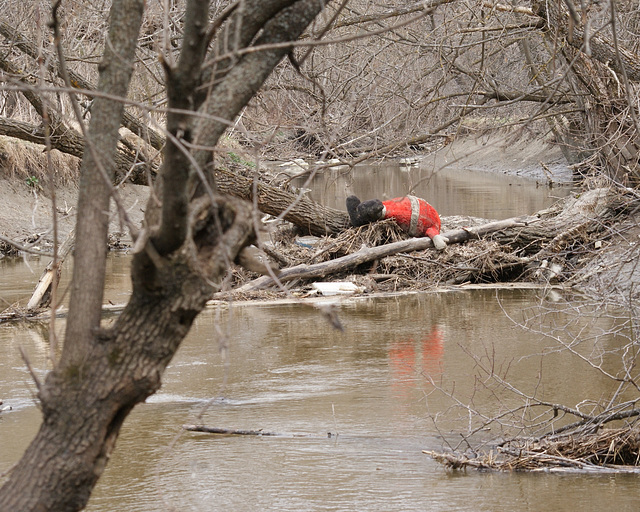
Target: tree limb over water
{"type": "Point", "coordinates": [193, 234]}
{"type": "Point", "coordinates": [191, 237]}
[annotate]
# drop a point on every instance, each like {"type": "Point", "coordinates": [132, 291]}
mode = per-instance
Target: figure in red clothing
{"type": "Point", "coordinates": [414, 215]}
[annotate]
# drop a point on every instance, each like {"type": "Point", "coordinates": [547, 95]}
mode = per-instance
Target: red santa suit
{"type": "Point", "coordinates": [415, 216]}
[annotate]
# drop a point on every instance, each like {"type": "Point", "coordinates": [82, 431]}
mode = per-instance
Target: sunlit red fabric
{"type": "Point", "coordinates": [414, 215]}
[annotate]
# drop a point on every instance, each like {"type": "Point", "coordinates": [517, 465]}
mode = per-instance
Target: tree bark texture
{"type": "Point", "coordinates": [103, 373]}
{"type": "Point", "coordinates": [280, 21]}
{"type": "Point", "coordinates": [97, 172]}
{"type": "Point", "coordinates": [309, 216]}
{"type": "Point", "coordinates": [80, 424]}
{"type": "Point", "coordinates": [84, 404]}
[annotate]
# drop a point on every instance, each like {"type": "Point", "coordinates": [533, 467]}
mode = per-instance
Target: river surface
{"type": "Point", "coordinates": [353, 409]}
{"type": "Point", "coordinates": [450, 190]}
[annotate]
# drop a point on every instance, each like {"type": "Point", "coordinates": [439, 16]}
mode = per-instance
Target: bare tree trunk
{"type": "Point", "coordinates": [64, 461]}
{"type": "Point", "coordinates": [103, 373]}
{"type": "Point", "coordinates": [85, 404]}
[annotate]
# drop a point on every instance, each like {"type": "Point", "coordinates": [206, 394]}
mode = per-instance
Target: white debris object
{"type": "Point", "coordinates": [336, 288]}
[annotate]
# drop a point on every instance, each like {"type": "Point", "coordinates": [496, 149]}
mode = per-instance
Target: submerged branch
{"type": "Point", "coordinates": [227, 431]}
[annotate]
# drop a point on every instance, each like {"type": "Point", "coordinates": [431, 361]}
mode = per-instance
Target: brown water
{"type": "Point", "coordinates": [452, 191]}
{"type": "Point", "coordinates": [376, 387]}
{"type": "Point", "coordinates": [372, 386]}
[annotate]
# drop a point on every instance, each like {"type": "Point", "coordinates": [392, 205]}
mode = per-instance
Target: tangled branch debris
{"type": "Point", "coordinates": [548, 247]}
{"type": "Point", "coordinates": [608, 450]}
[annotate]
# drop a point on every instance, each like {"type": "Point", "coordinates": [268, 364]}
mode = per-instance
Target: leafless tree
{"type": "Point", "coordinates": [430, 71]}
{"type": "Point", "coordinates": [399, 77]}
{"type": "Point", "coordinates": [395, 76]}
{"type": "Point", "coordinates": [191, 236]}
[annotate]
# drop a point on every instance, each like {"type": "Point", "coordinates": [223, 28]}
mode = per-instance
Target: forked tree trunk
{"type": "Point", "coordinates": [103, 373]}
{"type": "Point", "coordinates": [84, 405]}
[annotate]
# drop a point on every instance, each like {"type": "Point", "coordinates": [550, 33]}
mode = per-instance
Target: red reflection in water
{"type": "Point", "coordinates": [413, 363]}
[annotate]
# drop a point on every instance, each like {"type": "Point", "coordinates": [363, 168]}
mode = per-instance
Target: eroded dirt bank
{"type": "Point", "coordinates": [26, 212]}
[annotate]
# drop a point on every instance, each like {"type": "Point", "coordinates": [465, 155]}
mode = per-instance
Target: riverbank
{"type": "Point", "coordinates": [26, 211]}
{"type": "Point", "coordinates": [26, 214]}
{"type": "Point", "coordinates": [597, 263]}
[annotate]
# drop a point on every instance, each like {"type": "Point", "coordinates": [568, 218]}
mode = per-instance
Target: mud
{"type": "Point", "coordinates": [26, 213]}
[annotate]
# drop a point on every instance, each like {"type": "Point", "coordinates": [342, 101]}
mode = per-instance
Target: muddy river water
{"type": "Point", "coordinates": [354, 408]}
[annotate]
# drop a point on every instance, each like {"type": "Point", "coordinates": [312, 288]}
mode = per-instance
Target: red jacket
{"type": "Point", "coordinates": [414, 215]}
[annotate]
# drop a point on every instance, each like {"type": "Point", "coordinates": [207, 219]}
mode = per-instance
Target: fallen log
{"type": "Point", "coordinates": [16, 314]}
{"type": "Point", "coordinates": [131, 165]}
{"type": "Point", "coordinates": [30, 48]}
{"type": "Point", "coordinates": [309, 216]}
{"type": "Point", "coordinates": [455, 461]}
{"type": "Point", "coordinates": [234, 432]}
{"type": "Point", "coordinates": [368, 254]}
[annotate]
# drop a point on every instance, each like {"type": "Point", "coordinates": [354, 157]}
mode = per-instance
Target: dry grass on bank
{"type": "Point", "coordinates": [24, 161]}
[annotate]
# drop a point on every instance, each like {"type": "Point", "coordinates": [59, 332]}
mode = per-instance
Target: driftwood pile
{"type": "Point", "coordinates": [547, 247]}
{"type": "Point", "coordinates": [550, 246]}
{"type": "Point", "coordinates": [607, 450]}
